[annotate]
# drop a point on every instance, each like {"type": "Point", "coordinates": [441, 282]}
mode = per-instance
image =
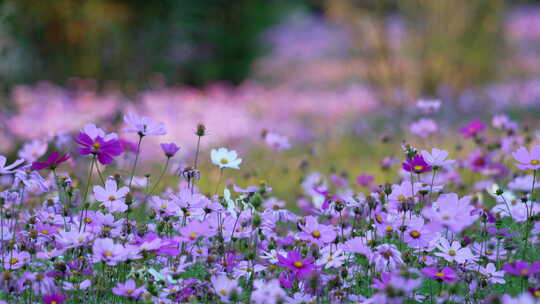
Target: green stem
{"type": "Point", "coordinates": [136, 159]}
{"type": "Point", "coordinates": [160, 177]}
{"type": "Point", "coordinates": [81, 219]}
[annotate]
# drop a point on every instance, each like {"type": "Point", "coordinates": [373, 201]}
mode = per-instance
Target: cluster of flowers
{"type": "Point", "coordinates": [104, 239]}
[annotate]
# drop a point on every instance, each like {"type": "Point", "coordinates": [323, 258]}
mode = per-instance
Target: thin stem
{"type": "Point", "coordinates": [529, 217]}
{"type": "Point", "coordinates": [136, 159]}
{"type": "Point", "coordinates": [81, 218]}
{"type": "Point", "coordinates": [160, 177]}
{"type": "Point", "coordinates": [219, 180]}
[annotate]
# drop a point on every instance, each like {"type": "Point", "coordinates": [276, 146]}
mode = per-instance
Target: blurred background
{"type": "Point", "coordinates": [317, 71]}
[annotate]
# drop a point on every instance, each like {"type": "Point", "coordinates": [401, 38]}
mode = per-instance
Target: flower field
{"type": "Point", "coordinates": [347, 152]}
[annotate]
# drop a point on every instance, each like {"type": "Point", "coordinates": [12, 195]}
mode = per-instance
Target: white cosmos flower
{"type": "Point", "coordinates": [224, 158]}
{"type": "Point", "coordinates": [437, 158]}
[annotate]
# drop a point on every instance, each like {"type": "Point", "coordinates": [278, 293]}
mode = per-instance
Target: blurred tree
{"type": "Point", "coordinates": [128, 41]}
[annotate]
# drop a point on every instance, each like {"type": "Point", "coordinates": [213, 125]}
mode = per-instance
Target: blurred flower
{"type": "Point", "coordinates": [423, 127]}
{"type": "Point", "coordinates": [33, 150]}
{"type": "Point", "coordinates": [522, 268]}
{"type": "Point", "coordinates": [53, 160]}
{"type": "Point", "coordinates": [472, 128]}
{"type": "Point", "coordinates": [8, 169]}
{"type": "Point", "coordinates": [224, 287]}
{"type": "Point", "coordinates": [276, 141]}
{"type": "Point", "coordinates": [143, 125]}
{"type": "Point", "coordinates": [428, 106]}
{"type": "Point", "coordinates": [169, 149]}
{"type": "Point", "coordinates": [446, 274]}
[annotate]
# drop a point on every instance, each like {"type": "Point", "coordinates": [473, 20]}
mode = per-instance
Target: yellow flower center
{"type": "Point", "coordinates": [13, 261]}
{"type": "Point", "coordinates": [418, 168]}
{"type": "Point", "coordinates": [401, 197]}
{"type": "Point", "coordinates": [316, 234]}
{"type": "Point", "coordinates": [389, 228]}
{"type": "Point", "coordinates": [223, 292]}
{"type": "Point", "coordinates": [224, 161]}
{"type": "Point", "coordinates": [524, 272]}
{"type": "Point", "coordinates": [415, 234]}
{"type": "Point", "coordinates": [96, 145]}
{"type": "Point", "coordinates": [378, 219]}
{"type": "Point", "coordinates": [88, 220]}
{"type": "Point", "coordinates": [45, 231]}
{"type": "Point", "coordinates": [53, 302]}
{"type": "Point", "coordinates": [108, 253]}
{"type": "Point", "coordinates": [129, 291]}
{"type": "Point", "coordinates": [452, 252]}
{"type": "Point", "coordinates": [112, 198]}
{"type": "Point", "coordinates": [298, 264]}
{"type": "Point", "coordinates": [163, 206]}
{"type": "Point", "coordinates": [537, 293]}
{"type": "Point", "coordinates": [535, 162]}
{"type": "Point", "coordinates": [439, 274]}
{"type": "Point", "coordinates": [193, 236]}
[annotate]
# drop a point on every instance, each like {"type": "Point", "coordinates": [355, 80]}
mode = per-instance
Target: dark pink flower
{"type": "Point", "coordinates": [446, 274]}
{"type": "Point", "coordinates": [417, 165]}
{"type": "Point", "coordinates": [54, 299]}
{"type": "Point", "coordinates": [521, 268]}
{"type": "Point", "coordinates": [472, 128]}
{"type": "Point", "coordinates": [103, 149]}
{"type": "Point", "coordinates": [364, 180]}
{"type": "Point", "coordinates": [53, 160]}
{"type": "Point", "coordinates": [300, 267]}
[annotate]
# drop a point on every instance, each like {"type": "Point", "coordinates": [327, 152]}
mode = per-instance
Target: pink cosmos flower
{"type": "Point", "coordinates": [386, 257]}
{"type": "Point", "coordinates": [419, 235]}
{"type": "Point", "coordinates": [16, 259]}
{"type": "Point", "coordinates": [111, 197]}
{"type": "Point", "coordinates": [472, 128]}
{"type": "Point", "coordinates": [143, 125]}
{"type": "Point", "coordinates": [300, 267]}
{"type": "Point", "coordinates": [103, 149]}
{"type": "Point", "coordinates": [195, 229]}
{"type": "Point", "coordinates": [423, 127]}
{"type": "Point", "coordinates": [416, 165]}
{"type": "Point", "coordinates": [276, 141]}
{"type": "Point", "coordinates": [33, 150]}
{"type": "Point", "coordinates": [128, 289]}
{"type": "Point", "coordinates": [527, 160]}
{"type": "Point", "coordinates": [494, 276]}
{"type": "Point", "coordinates": [314, 232]}
{"type": "Point", "coordinates": [53, 160]}
{"type": "Point", "coordinates": [105, 250]}
{"type": "Point", "coordinates": [522, 269]}
{"type": "Point", "coordinates": [169, 149]}
{"type": "Point", "coordinates": [446, 274]}
{"type": "Point", "coordinates": [454, 252]}
{"type": "Point", "coordinates": [364, 180]}
{"type": "Point", "coordinates": [224, 286]}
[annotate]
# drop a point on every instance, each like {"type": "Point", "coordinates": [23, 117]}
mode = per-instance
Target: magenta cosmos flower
{"type": "Point", "coordinates": [472, 128]}
{"type": "Point", "coordinates": [527, 160]}
{"type": "Point", "coordinates": [103, 149]}
{"type": "Point", "coordinates": [300, 267]}
{"type": "Point", "coordinates": [446, 274]}
{"type": "Point", "coordinates": [53, 160]}
{"type": "Point", "coordinates": [417, 165]}
{"type": "Point", "coordinates": [522, 269]}
{"type": "Point", "coordinates": [54, 299]}
{"type": "Point", "coordinates": [316, 233]}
